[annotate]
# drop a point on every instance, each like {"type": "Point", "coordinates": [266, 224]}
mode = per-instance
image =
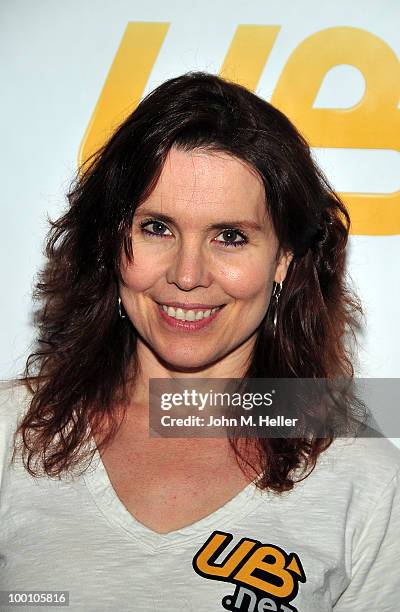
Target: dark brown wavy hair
{"type": "Point", "coordinates": [85, 358]}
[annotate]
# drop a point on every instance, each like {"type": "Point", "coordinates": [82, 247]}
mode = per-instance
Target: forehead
{"type": "Point", "coordinates": [212, 183]}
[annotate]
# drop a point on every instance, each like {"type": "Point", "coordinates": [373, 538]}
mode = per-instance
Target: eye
{"type": "Point", "coordinates": [158, 228]}
{"type": "Point", "coordinates": [228, 233]}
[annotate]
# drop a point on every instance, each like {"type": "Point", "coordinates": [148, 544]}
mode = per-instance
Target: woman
{"type": "Point", "coordinates": [201, 242]}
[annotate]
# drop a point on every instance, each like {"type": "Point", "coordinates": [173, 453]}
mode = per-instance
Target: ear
{"type": "Point", "coordinates": [282, 267]}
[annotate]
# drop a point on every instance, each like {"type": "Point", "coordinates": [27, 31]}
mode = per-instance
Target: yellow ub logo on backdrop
{"type": "Point", "coordinates": [373, 123]}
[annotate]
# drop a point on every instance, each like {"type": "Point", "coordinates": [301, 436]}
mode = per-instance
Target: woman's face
{"type": "Point", "coordinates": [201, 240]}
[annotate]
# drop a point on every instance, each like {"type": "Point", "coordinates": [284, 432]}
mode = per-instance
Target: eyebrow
{"type": "Point", "coordinates": [249, 225]}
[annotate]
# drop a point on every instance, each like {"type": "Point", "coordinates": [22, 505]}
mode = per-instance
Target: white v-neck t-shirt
{"type": "Point", "coordinates": [332, 543]}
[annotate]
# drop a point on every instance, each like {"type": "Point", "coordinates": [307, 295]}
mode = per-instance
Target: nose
{"type": "Point", "coordinates": [190, 266]}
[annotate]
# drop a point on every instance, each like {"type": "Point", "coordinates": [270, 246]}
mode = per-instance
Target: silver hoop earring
{"type": "Point", "coordinates": [121, 315]}
{"type": "Point", "coordinates": [276, 294]}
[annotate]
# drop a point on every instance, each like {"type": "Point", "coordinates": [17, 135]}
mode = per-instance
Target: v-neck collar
{"type": "Point", "coordinates": [107, 501]}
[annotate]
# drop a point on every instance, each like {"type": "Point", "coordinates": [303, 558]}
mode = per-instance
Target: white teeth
{"type": "Point", "coordinates": [180, 314]}
{"type": "Point", "coordinates": [190, 315]}
{"type": "Point", "coordinates": [187, 315]}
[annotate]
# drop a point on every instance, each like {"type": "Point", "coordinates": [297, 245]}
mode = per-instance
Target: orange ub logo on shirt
{"type": "Point", "coordinates": [266, 577]}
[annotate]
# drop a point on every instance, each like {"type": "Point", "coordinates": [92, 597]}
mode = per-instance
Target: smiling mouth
{"type": "Point", "coordinates": [189, 314]}
{"type": "Point", "coordinates": [188, 319]}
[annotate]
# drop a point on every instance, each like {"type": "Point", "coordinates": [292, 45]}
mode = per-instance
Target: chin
{"type": "Point", "coordinates": [184, 364]}
{"type": "Point", "coordinates": [186, 361]}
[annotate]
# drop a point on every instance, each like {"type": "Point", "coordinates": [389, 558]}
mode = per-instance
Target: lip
{"type": "Point", "coordinates": [188, 306]}
{"type": "Point", "coordinates": [187, 325]}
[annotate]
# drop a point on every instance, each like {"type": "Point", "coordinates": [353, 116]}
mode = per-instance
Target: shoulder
{"type": "Point", "coordinates": [360, 468]}
{"type": "Point", "coordinates": [352, 472]}
{"type": "Point", "coordinates": [354, 481]}
{"type": "Point", "coordinates": [363, 456]}
{"type": "Point", "coordinates": [14, 402]}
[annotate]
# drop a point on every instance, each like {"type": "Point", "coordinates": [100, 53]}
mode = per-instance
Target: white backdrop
{"type": "Point", "coordinates": [55, 58]}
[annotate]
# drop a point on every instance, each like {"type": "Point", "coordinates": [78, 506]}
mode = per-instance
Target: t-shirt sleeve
{"type": "Point", "coordinates": [375, 580]}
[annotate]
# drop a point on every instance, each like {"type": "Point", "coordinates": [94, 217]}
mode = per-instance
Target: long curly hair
{"type": "Point", "coordinates": [85, 359]}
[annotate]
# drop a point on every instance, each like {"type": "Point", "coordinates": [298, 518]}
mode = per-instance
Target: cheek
{"type": "Point", "coordinates": [142, 273]}
{"type": "Point", "coordinates": [248, 279]}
